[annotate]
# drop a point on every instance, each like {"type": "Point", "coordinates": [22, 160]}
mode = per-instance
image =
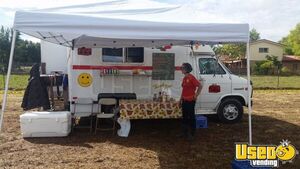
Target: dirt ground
{"type": "Point", "coordinates": [153, 143]}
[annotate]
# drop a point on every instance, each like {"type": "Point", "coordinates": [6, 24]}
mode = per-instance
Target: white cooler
{"type": "Point", "coordinates": [45, 124]}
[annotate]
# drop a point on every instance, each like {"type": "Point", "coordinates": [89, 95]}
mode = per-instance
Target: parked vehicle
{"type": "Point", "coordinates": [147, 71]}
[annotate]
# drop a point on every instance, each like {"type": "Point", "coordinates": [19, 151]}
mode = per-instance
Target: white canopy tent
{"type": "Point", "coordinates": [125, 23]}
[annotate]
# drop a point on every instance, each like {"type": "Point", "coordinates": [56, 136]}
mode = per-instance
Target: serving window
{"type": "Point", "coordinates": [123, 55]}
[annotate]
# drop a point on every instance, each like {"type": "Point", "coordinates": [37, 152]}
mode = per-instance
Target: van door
{"type": "Point", "coordinates": [215, 80]}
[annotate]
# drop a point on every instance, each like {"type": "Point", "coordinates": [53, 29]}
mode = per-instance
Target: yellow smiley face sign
{"type": "Point", "coordinates": [85, 79]}
{"type": "Point", "coordinates": [285, 153]}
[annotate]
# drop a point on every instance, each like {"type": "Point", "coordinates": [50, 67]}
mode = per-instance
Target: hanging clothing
{"type": "Point", "coordinates": [36, 94]}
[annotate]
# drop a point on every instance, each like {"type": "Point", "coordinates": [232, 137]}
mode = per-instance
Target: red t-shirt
{"type": "Point", "coordinates": [189, 85]}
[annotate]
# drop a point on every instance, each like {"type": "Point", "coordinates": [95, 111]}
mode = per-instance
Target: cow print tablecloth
{"type": "Point", "coordinates": [141, 109]}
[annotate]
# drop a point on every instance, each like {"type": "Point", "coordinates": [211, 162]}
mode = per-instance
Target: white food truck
{"type": "Point", "coordinates": [144, 72]}
{"type": "Point", "coordinates": [121, 59]}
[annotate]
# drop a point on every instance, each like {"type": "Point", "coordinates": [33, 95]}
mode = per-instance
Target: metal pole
{"type": "Point", "coordinates": [8, 76]}
{"type": "Point", "coordinates": [70, 63]}
{"type": "Point", "coordinates": [3, 74]}
{"type": "Point", "coordinates": [278, 73]}
{"type": "Point", "coordinates": [249, 93]}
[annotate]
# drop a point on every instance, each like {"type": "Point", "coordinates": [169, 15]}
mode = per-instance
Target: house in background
{"type": "Point", "coordinates": [292, 63]}
{"type": "Point", "coordinates": [261, 48]}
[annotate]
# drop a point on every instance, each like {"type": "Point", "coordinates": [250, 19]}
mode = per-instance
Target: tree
{"type": "Point", "coordinates": [276, 63]}
{"type": "Point", "coordinates": [292, 41]}
{"type": "Point", "coordinates": [236, 50]}
{"type": "Point", "coordinates": [266, 66]}
{"type": "Point", "coordinates": [231, 50]}
{"type": "Point", "coordinates": [254, 35]}
{"type": "Point", "coordinates": [4, 45]}
{"type": "Point", "coordinates": [274, 60]}
{"type": "Point", "coordinates": [25, 51]}
{"type": "Point", "coordinates": [287, 46]}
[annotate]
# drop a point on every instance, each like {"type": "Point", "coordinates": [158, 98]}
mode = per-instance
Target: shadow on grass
{"type": "Point", "coordinates": [212, 148]}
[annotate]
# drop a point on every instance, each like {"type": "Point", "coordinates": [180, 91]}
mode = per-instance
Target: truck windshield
{"type": "Point", "coordinates": [228, 70]}
{"type": "Point", "coordinates": [210, 66]}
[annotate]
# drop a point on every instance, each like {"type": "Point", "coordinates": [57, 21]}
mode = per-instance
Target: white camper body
{"type": "Point", "coordinates": [54, 56]}
{"type": "Point", "coordinates": [231, 89]}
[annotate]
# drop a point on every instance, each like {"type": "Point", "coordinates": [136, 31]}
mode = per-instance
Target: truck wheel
{"type": "Point", "coordinates": [230, 111]}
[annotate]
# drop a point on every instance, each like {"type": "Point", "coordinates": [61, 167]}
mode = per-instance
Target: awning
{"type": "Point", "coordinates": [125, 24]}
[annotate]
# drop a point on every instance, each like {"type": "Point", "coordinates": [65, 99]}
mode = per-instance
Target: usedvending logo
{"type": "Point", "coordinates": [265, 155]}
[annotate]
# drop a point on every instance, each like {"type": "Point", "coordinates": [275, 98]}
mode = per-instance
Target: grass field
{"type": "Point", "coordinates": [19, 82]}
{"type": "Point", "coordinates": [153, 143]}
{"type": "Point", "coordinates": [272, 81]}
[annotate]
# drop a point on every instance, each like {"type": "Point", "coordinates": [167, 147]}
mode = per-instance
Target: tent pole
{"type": "Point", "coordinates": [8, 76]}
{"type": "Point", "coordinates": [249, 93]}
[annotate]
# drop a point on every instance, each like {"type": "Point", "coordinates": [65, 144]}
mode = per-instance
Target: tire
{"type": "Point", "coordinates": [230, 111]}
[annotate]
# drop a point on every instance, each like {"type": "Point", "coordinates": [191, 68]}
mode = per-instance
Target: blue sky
{"type": "Point", "coordinates": [273, 19]}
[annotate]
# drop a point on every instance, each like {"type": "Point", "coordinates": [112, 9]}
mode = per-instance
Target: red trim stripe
{"type": "Point", "coordinates": [177, 67]}
{"type": "Point", "coordinates": [90, 67]}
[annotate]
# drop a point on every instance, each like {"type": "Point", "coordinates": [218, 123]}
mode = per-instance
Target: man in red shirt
{"type": "Point", "coordinates": [191, 88]}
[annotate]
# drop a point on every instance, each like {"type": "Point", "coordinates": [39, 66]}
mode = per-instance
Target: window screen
{"type": "Point", "coordinates": [112, 54]}
{"type": "Point", "coordinates": [130, 55]}
{"type": "Point", "coordinates": [134, 55]}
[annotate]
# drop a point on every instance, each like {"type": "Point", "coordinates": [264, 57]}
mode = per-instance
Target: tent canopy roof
{"type": "Point", "coordinates": [125, 23]}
